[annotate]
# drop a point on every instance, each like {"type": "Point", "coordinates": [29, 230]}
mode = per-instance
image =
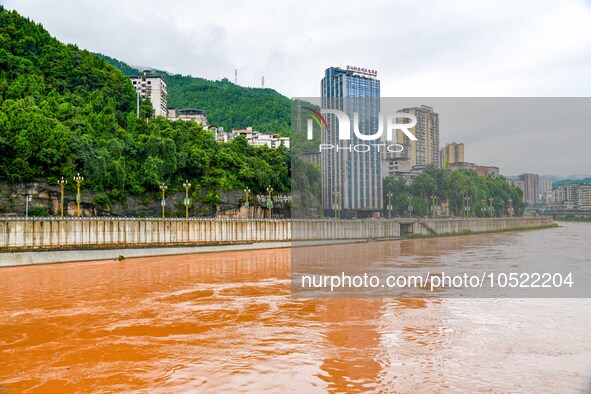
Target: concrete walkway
{"type": "Point", "coordinates": [66, 256]}
{"type": "Point", "coordinates": [63, 256]}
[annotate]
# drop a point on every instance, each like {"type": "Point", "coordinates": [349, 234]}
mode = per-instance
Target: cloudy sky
{"type": "Point", "coordinates": [454, 48]}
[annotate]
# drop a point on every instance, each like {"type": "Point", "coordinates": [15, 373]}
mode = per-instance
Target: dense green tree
{"type": "Point", "coordinates": [452, 187]}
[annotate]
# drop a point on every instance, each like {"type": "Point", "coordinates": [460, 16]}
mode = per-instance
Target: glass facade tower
{"type": "Point", "coordinates": [349, 173]}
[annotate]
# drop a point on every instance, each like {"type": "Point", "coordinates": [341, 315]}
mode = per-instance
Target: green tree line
{"type": "Point", "coordinates": [453, 187]}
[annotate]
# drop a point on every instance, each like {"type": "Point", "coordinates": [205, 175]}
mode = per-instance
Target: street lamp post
{"type": "Point", "coordinates": [510, 207]}
{"type": "Point", "coordinates": [246, 202]}
{"type": "Point", "coordinates": [28, 199]}
{"type": "Point", "coordinates": [62, 182]}
{"type": "Point", "coordinates": [490, 208]}
{"type": "Point", "coordinates": [270, 201]}
{"type": "Point", "coordinates": [390, 204]}
{"type": "Point", "coordinates": [163, 188]}
{"type": "Point", "coordinates": [433, 197]}
{"type": "Point", "coordinates": [483, 208]}
{"type": "Point", "coordinates": [336, 204]}
{"type": "Point", "coordinates": [437, 205]}
{"type": "Point", "coordinates": [78, 179]}
{"type": "Point", "coordinates": [187, 186]}
{"type": "Point", "coordinates": [466, 206]}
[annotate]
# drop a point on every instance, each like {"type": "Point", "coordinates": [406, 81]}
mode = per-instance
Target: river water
{"type": "Point", "coordinates": [226, 322]}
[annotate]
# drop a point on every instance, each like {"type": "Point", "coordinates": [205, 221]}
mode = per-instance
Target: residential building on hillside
{"type": "Point", "coordinates": [196, 115]}
{"type": "Point", "coordinates": [154, 88]}
{"type": "Point", "coordinates": [260, 139]}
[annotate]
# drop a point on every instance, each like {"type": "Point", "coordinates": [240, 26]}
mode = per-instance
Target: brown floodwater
{"type": "Point", "coordinates": [226, 322]}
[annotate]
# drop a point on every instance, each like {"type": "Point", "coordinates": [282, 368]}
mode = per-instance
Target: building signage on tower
{"type": "Point", "coordinates": [364, 71]}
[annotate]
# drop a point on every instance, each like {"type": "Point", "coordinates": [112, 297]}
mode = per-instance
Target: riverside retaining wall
{"type": "Point", "coordinates": [444, 226]}
{"type": "Point", "coordinates": [55, 233]}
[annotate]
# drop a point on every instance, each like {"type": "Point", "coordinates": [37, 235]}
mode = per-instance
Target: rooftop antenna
{"type": "Point", "coordinates": [263, 82]}
{"type": "Point", "coordinates": [236, 76]}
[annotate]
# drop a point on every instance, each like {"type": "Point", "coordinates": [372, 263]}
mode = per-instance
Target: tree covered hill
{"type": "Point", "coordinates": [64, 110]}
{"type": "Point", "coordinates": [571, 181]}
{"type": "Point", "coordinates": [226, 104]}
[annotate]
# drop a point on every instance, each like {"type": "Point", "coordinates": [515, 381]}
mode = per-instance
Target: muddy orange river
{"type": "Point", "coordinates": [226, 322]}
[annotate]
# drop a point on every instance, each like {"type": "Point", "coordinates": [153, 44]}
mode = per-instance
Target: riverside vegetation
{"type": "Point", "coordinates": [64, 110]}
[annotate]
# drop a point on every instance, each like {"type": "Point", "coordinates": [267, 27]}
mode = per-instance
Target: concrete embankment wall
{"type": "Point", "coordinates": [51, 234]}
{"type": "Point", "coordinates": [92, 233]}
{"type": "Point", "coordinates": [46, 234]}
{"type": "Point", "coordinates": [445, 226]}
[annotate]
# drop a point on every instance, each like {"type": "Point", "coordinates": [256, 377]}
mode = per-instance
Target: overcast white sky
{"type": "Point", "coordinates": [420, 48]}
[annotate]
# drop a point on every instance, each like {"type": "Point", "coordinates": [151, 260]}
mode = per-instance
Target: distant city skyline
{"type": "Point", "coordinates": [460, 48]}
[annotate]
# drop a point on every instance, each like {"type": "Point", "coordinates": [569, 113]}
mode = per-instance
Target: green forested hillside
{"type": "Point", "coordinates": [64, 110]}
{"type": "Point", "coordinates": [226, 104]}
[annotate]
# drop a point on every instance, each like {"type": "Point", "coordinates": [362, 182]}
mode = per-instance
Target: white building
{"type": "Point", "coordinates": [154, 88]}
{"type": "Point", "coordinates": [255, 138]}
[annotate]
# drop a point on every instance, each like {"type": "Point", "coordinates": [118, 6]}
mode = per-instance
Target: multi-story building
{"type": "Point", "coordinates": [489, 171]}
{"type": "Point", "coordinates": [531, 190]}
{"type": "Point", "coordinates": [196, 115]}
{"type": "Point", "coordinates": [584, 197]}
{"type": "Point", "coordinates": [452, 153]}
{"type": "Point", "coordinates": [357, 176]}
{"type": "Point", "coordinates": [395, 165]}
{"type": "Point", "coordinates": [545, 185]}
{"type": "Point", "coordinates": [519, 183]}
{"type": "Point", "coordinates": [154, 88]}
{"type": "Point", "coordinates": [259, 139]}
{"type": "Point", "coordinates": [426, 149]}
{"type": "Point", "coordinates": [546, 191]}
{"type": "Point", "coordinates": [572, 196]}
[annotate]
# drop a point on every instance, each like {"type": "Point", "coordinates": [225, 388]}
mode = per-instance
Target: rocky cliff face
{"type": "Point", "coordinates": [45, 201]}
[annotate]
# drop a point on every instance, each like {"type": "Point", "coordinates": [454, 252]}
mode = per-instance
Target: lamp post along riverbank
{"type": "Point", "coordinates": [270, 201]}
{"type": "Point", "coordinates": [246, 201]}
{"type": "Point", "coordinates": [390, 204]}
{"type": "Point", "coordinates": [187, 186]}
{"type": "Point", "coordinates": [78, 179]}
{"type": "Point", "coordinates": [163, 188]}
{"type": "Point", "coordinates": [62, 182]}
